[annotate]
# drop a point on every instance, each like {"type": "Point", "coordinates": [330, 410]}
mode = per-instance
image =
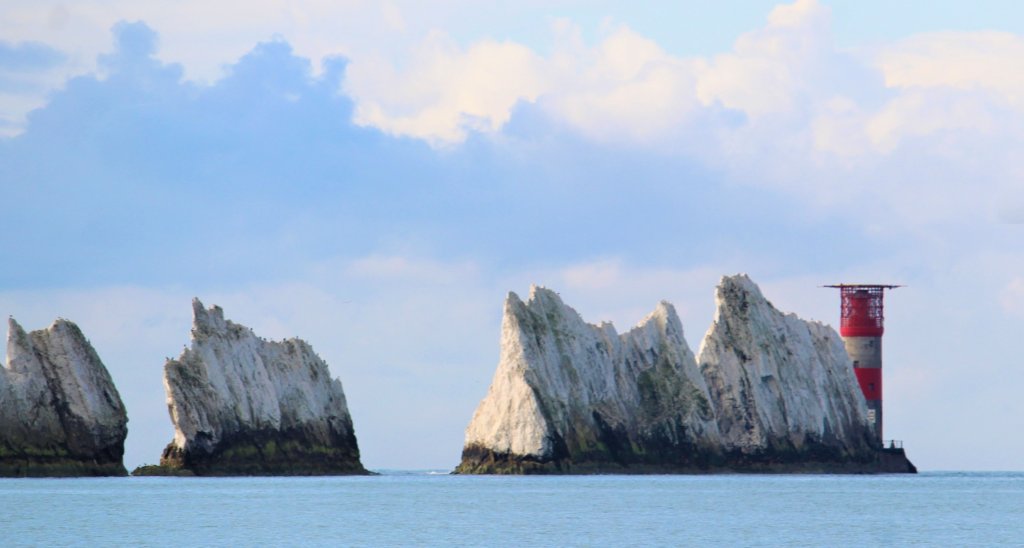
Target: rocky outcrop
{"type": "Point", "coordinates": [242, 405]}
{"type": "Point", "coordinates": [573, 397]}
{"type": "Point", "coordinates": [770, 392]}
{"type": "Point", "coordinates": [783, 389]}
{"type": "Point", "coordinates": [60, 414]}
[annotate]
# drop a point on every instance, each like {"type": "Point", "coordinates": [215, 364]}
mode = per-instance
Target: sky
{"type": "Point", "coordinates": [375, 177]}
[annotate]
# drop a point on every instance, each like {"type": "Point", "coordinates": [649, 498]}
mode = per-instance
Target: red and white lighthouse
{"type": "Point", "coordinates": [861, 326]}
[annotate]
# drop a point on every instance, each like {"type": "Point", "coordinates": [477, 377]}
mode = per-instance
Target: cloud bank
{"type": "Point", "coordinates": [786, 108]}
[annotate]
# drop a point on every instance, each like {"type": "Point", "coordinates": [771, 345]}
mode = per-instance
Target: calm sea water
{"type": "Point", "coordinates": [941, 509]}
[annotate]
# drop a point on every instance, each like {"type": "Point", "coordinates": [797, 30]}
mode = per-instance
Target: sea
{"type": "Point", "coordinates": [424, 508]}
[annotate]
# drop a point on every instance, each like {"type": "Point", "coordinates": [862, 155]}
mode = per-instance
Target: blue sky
{"type": "Point", "coordinates": [375, 177]}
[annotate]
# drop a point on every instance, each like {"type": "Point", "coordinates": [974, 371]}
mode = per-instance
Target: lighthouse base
{"type": "Point", "coordinates": [895, 461]}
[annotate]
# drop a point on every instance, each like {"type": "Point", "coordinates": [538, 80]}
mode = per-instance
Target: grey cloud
{"type": "Point", "coordinates": [29, 57]}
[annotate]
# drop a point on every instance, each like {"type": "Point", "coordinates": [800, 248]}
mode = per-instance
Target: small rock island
{"type": "Point", "coordinates": [242, 405]}
{"type": "Point", "coordinates": [60, 413]}
{"type": "Point", "coordinates": [767, 392]}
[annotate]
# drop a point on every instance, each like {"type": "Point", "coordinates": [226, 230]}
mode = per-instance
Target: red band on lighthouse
{"type": "Point", "coordinates": [861, 314]}
{"type": "Point", "coordinates": [870, 380]}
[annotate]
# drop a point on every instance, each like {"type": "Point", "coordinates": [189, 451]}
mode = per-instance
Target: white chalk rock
{"type": "Point", "coordinates": [571, 391]}
{"type": "Point", "coordinates": [771, 393]}
{"type": "Point", "coordinates": [778, 383]}
{"type": "Point", "coordinates": [244, 405]}
{"type": "Point", "coordinates": [60, 413]}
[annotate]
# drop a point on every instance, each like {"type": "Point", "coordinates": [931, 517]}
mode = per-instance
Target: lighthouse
{"type": "Point", "coordinates": [861, 325]}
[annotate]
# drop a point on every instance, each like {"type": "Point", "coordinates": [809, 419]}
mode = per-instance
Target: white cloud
{"type": "Point", "coordinates": [967, 61]}
{"type": "Point", "coordinates": [770, 69]}
{"type": "Point", "coordinates": [838, 128]}
{"type": "Point", "coordinates": [928, 129]}
{"type": "Point", "coordinates": [624, 90]}
{"type": "Point", "coordinates": [920, 113]}
{"type": "Point", "coordinates": [444, 91]}
{"type": "Point", "coordinates": [807, 114]}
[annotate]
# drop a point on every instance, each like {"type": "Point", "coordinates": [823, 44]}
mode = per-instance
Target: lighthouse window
{"type": "Point", "coordinates": [871, 386]}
